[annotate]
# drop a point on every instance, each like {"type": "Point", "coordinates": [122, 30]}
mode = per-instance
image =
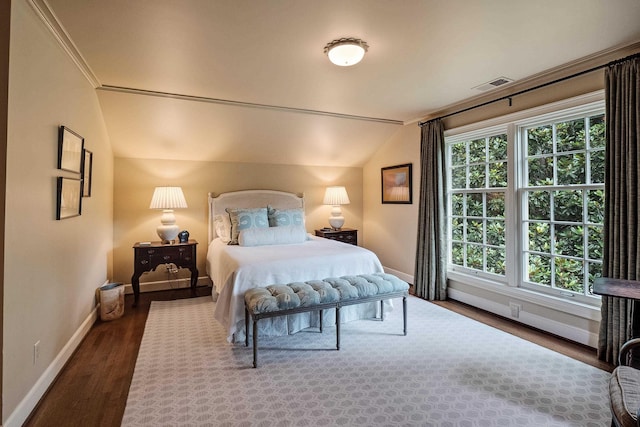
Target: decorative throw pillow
{"type": "Point", "coordinates": [243, 219]}
{"type": "Point", "coordinates": [285, 217]}
{"type": "Point", "coordinates": [222, 226]}
{"type": "Point", "coordinates": [284, 235]}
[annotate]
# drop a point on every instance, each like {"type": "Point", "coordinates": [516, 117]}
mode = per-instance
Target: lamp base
{"type": "Point", "coordinates": [168, 231]}
{"type": "Point", "coordinates": [336, 220]}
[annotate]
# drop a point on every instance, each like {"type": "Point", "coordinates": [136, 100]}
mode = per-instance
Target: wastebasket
{"type": "Point", "coordinates": [111, 301]}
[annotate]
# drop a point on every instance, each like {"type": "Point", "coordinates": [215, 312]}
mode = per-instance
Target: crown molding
{"type": "Point", "coordinates": [51, 21]}
{"type": "Point", "coordinates": [193, 98]}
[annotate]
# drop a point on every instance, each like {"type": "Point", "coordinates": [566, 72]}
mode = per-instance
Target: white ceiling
{"type": "Point", "coordinates": [247, 80]}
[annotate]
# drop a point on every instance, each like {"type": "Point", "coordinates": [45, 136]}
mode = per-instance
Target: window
{"type": "Point", "coordinates": [477, 211]}
{"type": "Point", "coordinates": [526, 202]}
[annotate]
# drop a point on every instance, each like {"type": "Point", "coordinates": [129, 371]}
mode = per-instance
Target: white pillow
{"type": "Point", "coordinates": [284, 235]}
{"type": "Point", "coordinates": [222, 224]}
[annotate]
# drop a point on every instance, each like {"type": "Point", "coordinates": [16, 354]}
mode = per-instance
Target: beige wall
{"type": "Point", "coordinates": [52, 268]}
{"type": "Point", "coordinates": [135, 180]}
{"type": "Point", "coordinates": [391, 229]}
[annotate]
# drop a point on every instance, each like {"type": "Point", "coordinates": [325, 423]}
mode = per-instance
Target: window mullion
{"type": "Point", "coordinates": [513, 206]}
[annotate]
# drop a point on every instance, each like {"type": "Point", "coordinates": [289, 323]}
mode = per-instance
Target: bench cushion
{"type": "Point", "coordinates": [314, 292]}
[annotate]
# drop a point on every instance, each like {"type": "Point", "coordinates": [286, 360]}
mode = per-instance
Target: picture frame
{"type": "Point", "coordinates": [87, 170]}
{"type": "Point", "coordinates": [397, 185]}
{"type": "Point", "coordinates": [70, 150]}
{"type": "Point", "coordinates": [69, 200]}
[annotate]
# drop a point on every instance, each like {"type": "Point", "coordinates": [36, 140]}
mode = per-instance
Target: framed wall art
{"type": "Point", "coordinates": [87, 168]}
{"type": "Point", "coordinates": [69, 200]}
{"type": "Point", "coordinates": [70, 150]}
{"type": "Point", "coordinates": [397, 185]}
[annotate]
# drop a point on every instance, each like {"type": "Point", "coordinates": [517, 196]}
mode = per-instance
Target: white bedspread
{"type": "Point", "coordinates": [234, 269]}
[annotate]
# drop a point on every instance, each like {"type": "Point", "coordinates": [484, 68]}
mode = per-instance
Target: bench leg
{"type": "Point", "coordinates": [404, 313]}
{"type": "Point", "coordinates": [255, 343]}
{"type": "Point", "coordinates": [246, 326]}
{"type": "Point", "coordinates": [382, 310]}
{"type": "Point", "coordinates": [338, 327]}
{"type": "Point", "coordinates": [321, 311]}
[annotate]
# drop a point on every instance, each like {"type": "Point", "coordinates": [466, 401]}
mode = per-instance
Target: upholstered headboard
{"type": "Point", "coordinates": [250, 199]}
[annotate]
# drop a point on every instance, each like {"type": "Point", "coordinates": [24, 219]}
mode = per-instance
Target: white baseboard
{"type": "Point", "coordinates": [27, 405]}
{"type": "Point", "coordinates": [163, 285]}
{"type": "Point", "coordinates": [399, 274]}
{"type": "Point", "coordinates": [572, 333]}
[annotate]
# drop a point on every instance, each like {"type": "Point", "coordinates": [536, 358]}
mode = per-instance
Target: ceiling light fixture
{"type": "Point", "coordinates": [346, 51]}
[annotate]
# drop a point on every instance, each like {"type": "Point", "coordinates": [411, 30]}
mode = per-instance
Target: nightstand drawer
{"type": "Point", "coordinates": [345, 235]}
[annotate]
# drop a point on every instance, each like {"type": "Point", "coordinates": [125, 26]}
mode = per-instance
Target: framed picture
{"type": "Point", "coordinates": [396, 184]}
{"type": "Point", "coordinates": [70, 146]}
{"type": "Point", "coordinates": [69, 201]}
{"type": "Point", "coordinates": [87, 167]}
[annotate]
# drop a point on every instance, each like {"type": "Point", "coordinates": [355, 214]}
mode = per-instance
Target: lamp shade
{"type": "Point", "coordinates": [168, 198]}
{"type": "Point", "coordinates": [336, 196]}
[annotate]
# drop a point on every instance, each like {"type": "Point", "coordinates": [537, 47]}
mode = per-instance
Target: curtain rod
{"type": "Point", "coordinates": [578, 74]}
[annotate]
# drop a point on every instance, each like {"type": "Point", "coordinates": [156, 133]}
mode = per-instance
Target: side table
{"type": "Point", "coordinates": [149, 256]}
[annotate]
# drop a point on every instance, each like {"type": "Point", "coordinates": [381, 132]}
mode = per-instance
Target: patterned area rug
{"type": "Point", "coordinates": [448, 371]}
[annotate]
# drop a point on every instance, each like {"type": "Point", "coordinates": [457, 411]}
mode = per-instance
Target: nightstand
{"type": "Point", "coordinates": [345, 235]}
{"type": "Point", "coordinates": [149, 256]}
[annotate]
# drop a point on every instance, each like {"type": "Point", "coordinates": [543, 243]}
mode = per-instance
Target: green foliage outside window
{"type": "Point", "coordinates": [565, 229]}
{"type": "Point", "coordinates": [477, 226]}
{"type": "Point", "coordinates": [563, 210]}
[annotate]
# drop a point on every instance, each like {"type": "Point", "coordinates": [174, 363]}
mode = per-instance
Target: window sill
{"type": "Point", "coordinates": [559, 303]}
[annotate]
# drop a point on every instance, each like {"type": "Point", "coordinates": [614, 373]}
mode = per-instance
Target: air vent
{"type": "Point", "coordinates": [493, 84]}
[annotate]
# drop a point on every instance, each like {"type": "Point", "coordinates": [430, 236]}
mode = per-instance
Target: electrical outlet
{"type": "Point", "coordinates": [515, 309]}
{"type": "Point", "coordinates": [36, 351]}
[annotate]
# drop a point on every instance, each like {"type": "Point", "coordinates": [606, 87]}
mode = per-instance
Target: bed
{"type": "Point", "coordinates": [233, 269]}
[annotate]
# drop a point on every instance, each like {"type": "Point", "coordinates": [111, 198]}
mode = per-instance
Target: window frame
{"type": "Point", "coordinates": [515, 193]}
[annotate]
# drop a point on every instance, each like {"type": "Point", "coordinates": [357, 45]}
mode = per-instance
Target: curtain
{"type": "Point", "coordinates": [621, 229]}
{"type": "Point", "coordinates": [430, 275]}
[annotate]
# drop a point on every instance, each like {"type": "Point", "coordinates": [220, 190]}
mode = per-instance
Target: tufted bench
{"type": "Point", "coordinates": [319, 295]}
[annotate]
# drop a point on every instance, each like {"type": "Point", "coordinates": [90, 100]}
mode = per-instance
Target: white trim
{"type": "Point", "coordinates": [28, 404]}
{"type": "Point", "coordinates": [51, 21]}
{"type": "Point", "coordinates": [572, 333]}
{"type": "Point", "coordinates": [557, 303]}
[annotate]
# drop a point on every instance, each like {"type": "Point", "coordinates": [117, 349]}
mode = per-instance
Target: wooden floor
{"type": "Point", "coordinates": [92, 389]}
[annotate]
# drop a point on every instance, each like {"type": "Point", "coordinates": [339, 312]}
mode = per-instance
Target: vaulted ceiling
{"type": "Point", "coordinates": [247, 81]}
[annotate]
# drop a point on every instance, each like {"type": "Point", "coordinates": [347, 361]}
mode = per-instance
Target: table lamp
{"type": "Point", "coordinates": [168, 199]}
{"type": "Point", "coordinates": [336, 196]}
